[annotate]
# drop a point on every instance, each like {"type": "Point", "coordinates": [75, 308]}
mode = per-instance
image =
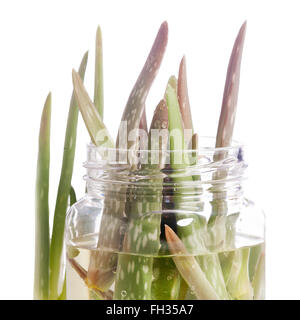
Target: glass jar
{"type": "Point", "coordinates": [143, 231]}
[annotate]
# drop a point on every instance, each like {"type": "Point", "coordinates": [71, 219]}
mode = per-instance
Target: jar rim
{"type": "Point", "coordinates": [202, 148]}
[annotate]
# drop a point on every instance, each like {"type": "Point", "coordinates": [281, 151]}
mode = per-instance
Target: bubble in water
{"type": "Point", "coordinates": [124, 293]}
{"type": "Point", "coordinates": [169, 278]}
{"type": "Point", "coordinates": [192, 290]}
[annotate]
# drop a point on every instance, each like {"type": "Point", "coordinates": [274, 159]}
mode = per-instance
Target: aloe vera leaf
{"type": "Point", "coordinates": [143, 132]}
{"type": "Point", "coordinates": [73, 198]}
{"type": "Point", "coordinates": [132, 115]}
{"type": "Point", "coordinates": [238, 282]}
{"type": "Point", "coordinates": [228, 110]}
{"type": "Point", "coordinates": [141, 228]}
{"type": "Point", "coordinates": [227, 116]}
{"type": "Point", "coordinates": [41, 269]}
{"type": "Point", "coordinates": [189, 268]}
{"type": "Point", "coordinates": [191, 233]}
{"type": "Point", "coordinates": [63, 294]}
{"type": "Point", "coordinates": [63, 192]}
{"type": "Point", "coordinates": [210, 265]}
{"type": "Point", "coordinates": [82, 273]}
{"type": "Point", "coordinates": [71, 251]}
{"type": "Point", "coordinates": [258, 282]}
{"type": "Point", "coordinates": [185, 292]}
{"type": "Point", "coordinates": [183, 99]}
{"type": "Point", "coordinates": [141, 243]}
{"type": "Point", "coordinates": [134, 272]}
{"type": "Point", "coordinates": [175, 127]}
{"type": "Point", "coordinates": [224, 137]}
{"type": "Point", "coordinates": [230, 95]}
{"type": "Point", "coordinates": [98, 84]}
{"type": "Point", "coordinates": [158, 136]}
{"type": "Point", "coordinates": [102, 264]}
{"type": "Point", "coordinates": [166, 282]}
{"type": "Point", "coordinates": [135, 281]}
{"type": "Point", "coordinates": [136, 102]}
{"type": "Point", "coordinates": [255, 253]}
{"type": "Point", "coordinates": [143, 123]}
{"type": "Point", "coordinates": [98, 132]}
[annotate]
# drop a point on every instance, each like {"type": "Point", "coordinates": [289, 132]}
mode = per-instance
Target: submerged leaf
{"type": "Point", "coordinates": [189, 268]}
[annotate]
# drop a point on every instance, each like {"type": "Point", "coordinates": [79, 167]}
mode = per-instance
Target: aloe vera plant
{"type": "Point", "coordinates": [138, 279]}
{"type": "Point", "coordinates": [155, 228]}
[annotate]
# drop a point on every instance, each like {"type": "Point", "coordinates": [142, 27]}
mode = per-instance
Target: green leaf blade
{"type": "Point", "coordinates": [42, 242]}
{"type": "Point", "coordinates": [63, 192]}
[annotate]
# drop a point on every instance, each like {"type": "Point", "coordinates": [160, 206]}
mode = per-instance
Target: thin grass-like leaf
{"type": "Point", "coordinates": [63, 192]}
{"type": "Point", "coordinates": [41, 270]}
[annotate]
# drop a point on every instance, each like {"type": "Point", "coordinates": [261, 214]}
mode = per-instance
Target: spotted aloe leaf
{"type": "Point", "coordinates": [158, 135]}
{"type": "Point", "coordinates": [103, 265]}
{"type": "Point", "coordinates": [135, 273]}
{"type": "Point", "coordinates": [143, 134]}
{"type": "Point", "coordinates": [166, 282]}
{"type": "Point", "coordinates": [136, 103]}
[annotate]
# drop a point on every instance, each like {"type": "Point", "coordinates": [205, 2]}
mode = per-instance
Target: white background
{"type": "Point", "coordinates": [41, 41]}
